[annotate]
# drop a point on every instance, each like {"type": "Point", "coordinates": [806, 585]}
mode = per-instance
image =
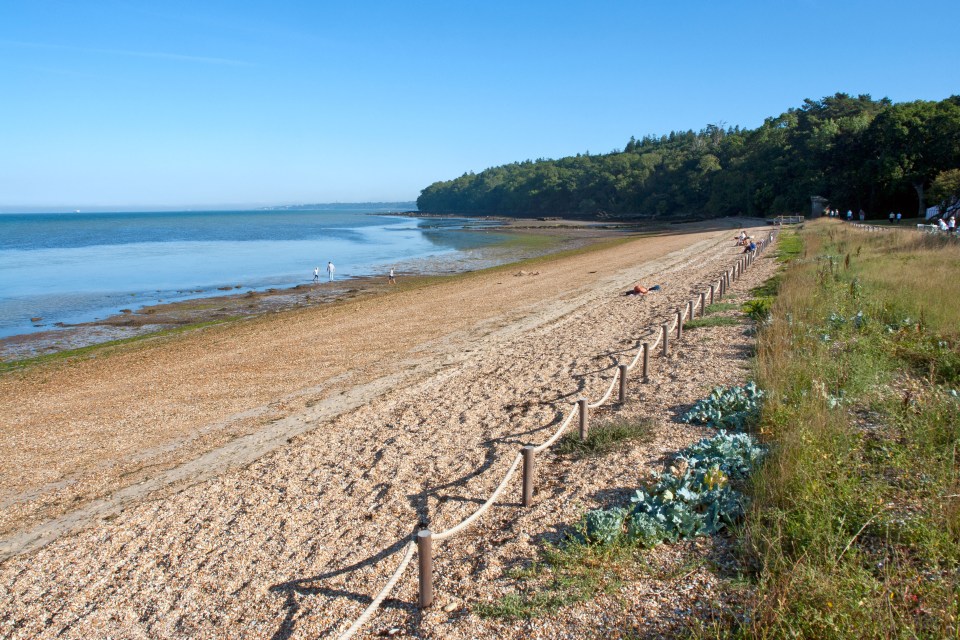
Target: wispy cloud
{"type": "Point", "coordinates": [157, 55]}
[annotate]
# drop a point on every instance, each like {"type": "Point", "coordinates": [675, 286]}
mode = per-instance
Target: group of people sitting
{"type": "Point", "coordinates": [743, 240]}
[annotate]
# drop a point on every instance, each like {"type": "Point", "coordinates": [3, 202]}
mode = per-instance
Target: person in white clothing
{"type": "Point", "coordinates": [393, 278]}
{"type": "Point", "coordinates": [316, 274]}
{"type": "Point", "coordinates": [952, 224]}
{"type": "Point", "coordinates": [330, 270]}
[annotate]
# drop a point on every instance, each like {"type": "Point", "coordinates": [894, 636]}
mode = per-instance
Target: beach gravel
{"type": "Point", "coordinates": [327, 436]}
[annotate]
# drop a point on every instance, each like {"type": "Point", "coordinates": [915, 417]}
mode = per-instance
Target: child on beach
{"type": "Point", "coordinates": [392, 278]}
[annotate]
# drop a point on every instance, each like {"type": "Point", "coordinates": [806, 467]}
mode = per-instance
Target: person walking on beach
{"type": "Point", "coordinates": [330, 270]}
{"type": "Point", "coordinates": [316, 274]}
{"type": "Point", "coordinates": [393, 278]}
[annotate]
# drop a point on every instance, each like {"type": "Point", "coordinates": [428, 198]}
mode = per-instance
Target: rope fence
{"type": "Point", "coordinates": [425, 538]}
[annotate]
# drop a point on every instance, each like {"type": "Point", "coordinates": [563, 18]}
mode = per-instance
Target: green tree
{"type": "Point", "coordinates": [945, 190]}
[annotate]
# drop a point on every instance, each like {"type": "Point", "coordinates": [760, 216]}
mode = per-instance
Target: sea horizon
{"type": "Point", "coordinates": [397, 206]}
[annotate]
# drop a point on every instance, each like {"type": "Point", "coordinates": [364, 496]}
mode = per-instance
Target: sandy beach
{"type": "Point", "coordinates": [255, 479]}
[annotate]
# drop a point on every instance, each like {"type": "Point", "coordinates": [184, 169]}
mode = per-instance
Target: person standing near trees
{"type": "Point", "coordinates": [899, 217]}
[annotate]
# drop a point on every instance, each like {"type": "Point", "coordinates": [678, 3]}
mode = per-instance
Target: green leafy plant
{"type": "Point", "coordinates": [758, 309]}
{"type": "Point", "coordinates": [693, 498]}
{"type": "Point", "coordinates": [727, 408]}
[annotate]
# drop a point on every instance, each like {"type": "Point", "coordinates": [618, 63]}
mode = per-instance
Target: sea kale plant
{"type": "Point", "coordinates": [730, 408]}
{"type": "Point", "coordinates": [693, 498]}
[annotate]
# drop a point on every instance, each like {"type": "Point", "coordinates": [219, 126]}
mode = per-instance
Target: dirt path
{"type": "Point", "coordinates": [379, 414]}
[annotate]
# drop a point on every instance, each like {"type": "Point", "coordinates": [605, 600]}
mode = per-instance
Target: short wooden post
{"type": "Point", "coordinates": [582, 403]}
{"type": "Point", "coordinates": [646, 361]}
{"type": "Point", "coordinates": [679, 324]}
{"type": "Point", "coordinates": [713, 291]}
{"type": "Point", "coordinates": [703, 304]}
{"type": "Point", "coordinates": [623, 384]}
{"type": "Point", "coordinates": [529, 459]}
{"type": "Point", "coordinates": [666, 340]}
{"type": "Point", "coordinates": [690, 309]}
{"type": "Point", "coordinates": [425, 556]}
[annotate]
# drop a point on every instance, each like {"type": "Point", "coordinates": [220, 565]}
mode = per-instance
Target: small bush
{"type": "Point", "coordinates": [758, 309]}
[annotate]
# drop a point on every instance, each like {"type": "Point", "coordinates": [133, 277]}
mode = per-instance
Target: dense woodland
{"type": "Point", "coordinates": [856, 152]}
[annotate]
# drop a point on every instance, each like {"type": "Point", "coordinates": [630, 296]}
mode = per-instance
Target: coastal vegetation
{"type": "Point", "coordinates": [855, 520]}
{"type": "Point", "coordinates": [857, 152]}
{"type": "Point", "coordinates": [836, 475]}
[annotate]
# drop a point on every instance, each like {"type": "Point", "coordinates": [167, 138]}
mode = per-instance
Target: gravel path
{"type": "Point", "coordinates": [283, 462]}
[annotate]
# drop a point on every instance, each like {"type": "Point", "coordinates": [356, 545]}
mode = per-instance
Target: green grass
{"type": "Point", "coordinates": [789, 245]}
{"type": "Point", "coordinates": [710, 321]}
{"type": "Point", "coordinates": [603, 439]}
{"type": "Point", "coordinates": [855, 527]}
{"type": "Point", "coordinates": [562, 576]}
{"type": "Point", "coordinates": [769, 288]}
{"type": "Point", "coordinates": [717, 307]}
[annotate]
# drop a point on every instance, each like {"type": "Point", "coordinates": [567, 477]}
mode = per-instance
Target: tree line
{"type": "Point", "coordinates": [857, 152]}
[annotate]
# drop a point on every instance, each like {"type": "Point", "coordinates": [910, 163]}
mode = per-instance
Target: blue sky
{"type": "Point", "coordinates": [148, 104]}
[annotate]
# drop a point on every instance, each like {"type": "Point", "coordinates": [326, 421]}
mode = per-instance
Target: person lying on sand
{"type": "Point", "coordinates": [640, 290]}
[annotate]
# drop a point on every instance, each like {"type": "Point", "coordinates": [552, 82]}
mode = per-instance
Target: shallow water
{"type": "Point", "coordinates": [69, 268]}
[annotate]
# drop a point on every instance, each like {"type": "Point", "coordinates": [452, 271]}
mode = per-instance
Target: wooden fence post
{"type": "Point", "coordinates": [666, 340]}
{"type": "Point", "coordinates": [582, 403]}
{"type": "Point", "coordinates": [425, 557]}
{"type": "Point", "coordinates": [623, 384]}
{"type": "Point", "coordinates": [529, 461]}
{"type": "Point", "coordinates": [646, 361]}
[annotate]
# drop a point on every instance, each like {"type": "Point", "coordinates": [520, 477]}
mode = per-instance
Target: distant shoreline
{"type": "Point", "coordinates": [246, 303]}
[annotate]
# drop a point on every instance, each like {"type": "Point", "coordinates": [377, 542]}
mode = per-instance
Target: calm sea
{"type": "Point", "coordinates": [76, 267]}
